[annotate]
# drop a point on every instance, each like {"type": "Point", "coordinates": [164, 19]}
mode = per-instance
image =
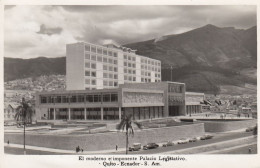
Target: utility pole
{"type": "Point", "coordinates": [171, 73]}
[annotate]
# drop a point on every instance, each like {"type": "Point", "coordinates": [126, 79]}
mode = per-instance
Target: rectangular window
{"type": "Point", "coordinates": [110, 68]}
{"type": "Point", "coordinates": [87, 47]}
{"type": "Point", "coordinates": [129, 65]}
{"type": "Point", "coordinates": [97, 98]}
{"type": "Point", "coordinates": [114, 97]}
{"type": "Point", "coordinates": [125, 63]}
{"type": "Point", "coordinates": [87, 65]}
{"type": "Point", "coordinates": [93, 49]}
{"type": "Point", "coordinates": [89, 98]}
{"type": "Point", "coordinates": [65, 99]}
{"type": "Point", "coordinates": [93, 82]}
{"type": "Point", "coordinates": [43, 99]}
{"type": "Point", "coordinates": [115, 69]}
{"type": "Point", "coordinates": [115, 83]}
{"type": "Point", "coordinates": [125, 56]}
{"type": "Point", "coordinates": [87, 73]}
{"type": "Point", "coordinates": [129, 58]}
{"type": "Point", "coordinates": [125, 70]}
{"type": "Point", "coordinates": [133, 71]}
{"type": "Point", "coordinates": [111, 83]}
{"type": "Point", "coordinates": [105, 67]}
{"type": "Point", "coordinates": [134, 79]}
{"type": "Point", "coordinates": [125, 77]}
{"type": "Point", "coordinates": [133, 65]}
{"type": "Point", "coordinates": [104, 51]}
{"type": "Point", "coordinates": [110, 61]}
{"type": "Point", "coordinates": [93, 66]}
{"type": "Point", "coordinates": [87, 81]}
{"type": "Point", "coordinates": [105, 75]}
{"type": "Point", "coordinates": [93, 74]}
{"type": "Point", "coordinates": [73, 99]}
{"type": "Point", "coordinates": [99, 50]}
{"type": "Point", "coordinates": [93, 57]}
{"type": "Point", "coordinates": [110, 53]}
{"type": "Point", "coordinates": [81, 98]}
{"type": "Point", "coordinates": [115, 62]}
{"type": "Point", "coordinates": [115, 54]}
{"type": "Point", "coordinates": [105, 83]}
{"type": "Point", "coordinates": [111, 76]}
{"type": "Point", "coordinates": [130, 78]}
{"type": "Point", "coordinates": [129, 71]}
{"type": "Point", "coordinates": [133, 58]}
{"type": "Point", "coordinates": [104, 59]}
{"type": "Point", "coordinates": [106, 97]}
{"type": "Point", "coordinates": [115, 76]}
{"type": "Point", "coordinates": [87, 56]}
{"type": "Point", "coordinates": [99, 58]}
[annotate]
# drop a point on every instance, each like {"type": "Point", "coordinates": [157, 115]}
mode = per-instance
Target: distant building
{"type": "Point", "coordinates": [90, 66]}
{"type": "Point", "coordinates": [195, 103]}
{"type": "Point", "coordinates": [10, 111]}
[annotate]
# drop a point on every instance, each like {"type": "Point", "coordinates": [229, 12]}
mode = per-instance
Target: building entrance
{"type": "Point", "coordinates": [174, 111]}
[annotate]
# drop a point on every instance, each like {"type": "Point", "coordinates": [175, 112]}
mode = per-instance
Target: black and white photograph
{"type": "Point", "coordinates": [130, 80]}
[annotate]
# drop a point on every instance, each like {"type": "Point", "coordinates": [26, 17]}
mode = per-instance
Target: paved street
{"type": "Point", "coordinates": [241, 150]}
{"type": "Point", "coordinates": [217, 138]}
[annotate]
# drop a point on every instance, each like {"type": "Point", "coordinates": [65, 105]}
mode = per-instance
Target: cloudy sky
{"type": "Point", "coordinates": [33, 31]}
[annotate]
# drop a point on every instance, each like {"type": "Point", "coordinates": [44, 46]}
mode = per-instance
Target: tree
{"type": "Point", "coordinates": [255, 130]}
{"type": "Point", "coordinates": [24, 114]}
{"type": "Point", "coordinates": [126, 124]}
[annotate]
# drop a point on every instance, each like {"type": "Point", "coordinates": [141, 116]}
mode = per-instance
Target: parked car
{"type": "Point", "coordinates": [249, 129]}
{"type": "Point", "coordinates": [150, 146]}
{"type": "Point", "coordinates": [193, 139]}
{"type": "Point", "coordinates": [207, 136]}
{"type": "Point", "coordinates": [183, 141]}
{"type": "Point", "coordinates": [135, 147]}
{"type": "Point", "coordinates": [168, 143]}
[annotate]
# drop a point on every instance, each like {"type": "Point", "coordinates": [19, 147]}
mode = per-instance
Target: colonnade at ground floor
{"type": "Point", "coordinates": [193, 109]}
{"type": "Point", "coordinates": [104, 113]}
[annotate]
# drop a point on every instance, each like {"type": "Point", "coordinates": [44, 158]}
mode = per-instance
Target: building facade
{"type": "Point", "coordinates": [140, 100]}
{"type": "Point", "coordinates": [195, 103]}
{"type": "Point", "coordinates": [90, 66]}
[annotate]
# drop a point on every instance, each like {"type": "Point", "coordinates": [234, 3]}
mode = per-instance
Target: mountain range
{"type": "Point", "coordinates": [207, 59]}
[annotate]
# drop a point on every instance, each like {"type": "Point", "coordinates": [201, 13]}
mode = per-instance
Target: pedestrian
{"type": "Point", "coordinates": [81, 149]}
{"type": "Point", "coordinates": [249, 150]}
{"type": "Point", "coordinates": [8, 142]}
{"type": "Point", "coordinates": [116, 147]}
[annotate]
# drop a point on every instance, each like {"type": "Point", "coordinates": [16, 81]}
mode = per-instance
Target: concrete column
{"type": "Point", "coordinates": [69, 113]}
{"type": "Point", "coordinates": [54, 114]}
{"type": "Point", "coordinates": [119, 113]}
{"type": "Point", "coordinates": [102, 113]}
{"type": "Point", "coordinates": [85, 114]}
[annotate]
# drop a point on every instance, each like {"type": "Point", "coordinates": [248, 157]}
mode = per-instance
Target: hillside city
{"type": "Point", "coordinates": [16, 89]}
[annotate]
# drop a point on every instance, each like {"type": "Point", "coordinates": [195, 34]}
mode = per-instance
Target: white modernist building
{"type": "Point", "coordinates": [90, 66]}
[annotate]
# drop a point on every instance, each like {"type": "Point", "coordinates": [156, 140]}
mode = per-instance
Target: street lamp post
{"type": "Point", "coordinates": [171, 73]}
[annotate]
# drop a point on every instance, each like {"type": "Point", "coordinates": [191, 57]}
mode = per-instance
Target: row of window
{"type": "Point", "coordinates": [99, 58]}
{"type": "Point", "coordinates": [129, 64]}
{"type": "Point", "coordinates": [110, 83]}
{"type": "Point", "coordinates": [110, 76]}
{"type": "Point", "coordinates": [147, 73]}
{"type": "Point", "coordinates": [151, 68]}
{"type": "Point", "coordinates": [129, 78]}
{"type": "Point", "coordinates": [104, 97]}
{"type": "Point", "coordinates": [151, 62]}
{"type": "Point", "coordinates": [129, 58]}
{"type": "Point", "coordinates": [129, 71]}
{"type": "Point", "coordinates": [100, 50]}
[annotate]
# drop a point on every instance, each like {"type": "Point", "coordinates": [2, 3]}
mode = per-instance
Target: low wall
{"type": "Point", "coordinates": [224, 126]}
{"type": "Point", "coordinates": [103, 141]}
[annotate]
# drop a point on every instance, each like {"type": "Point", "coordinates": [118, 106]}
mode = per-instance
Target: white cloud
{"type": "Point", "coordinates": [124, 24]}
